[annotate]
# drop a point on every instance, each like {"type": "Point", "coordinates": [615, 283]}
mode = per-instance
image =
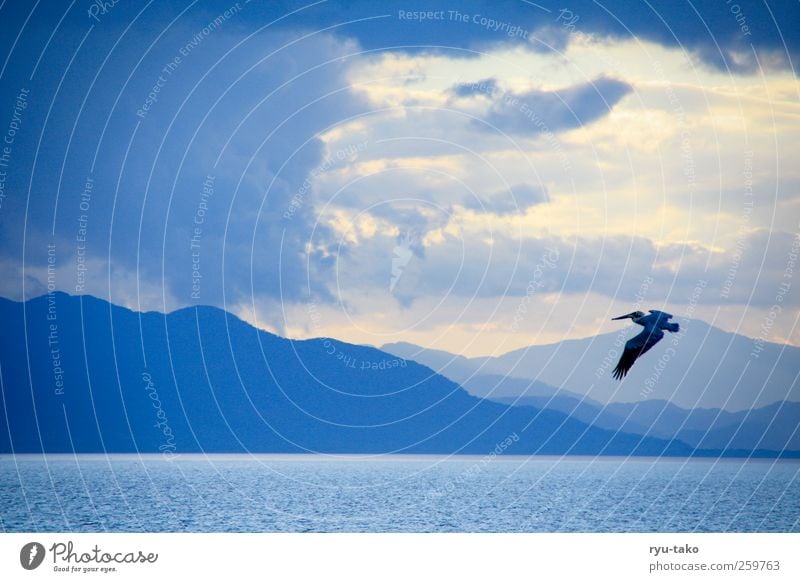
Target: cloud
{"type": "Point", "coordinates": [739, 37]}
{"type": "Point", "coordinates": [537, 111]}
{"type": "Point", "coordinates": [412, 220]}
{"type": "Point", "coordinates": [485, 264]}
{"type": "Point", "coordinates": [516, 199]}
{"type": "Point", "coordinates": [484, 87]}
{"type": "Point", "coordinates": [206, 191]}
{"type": "Point", "coordinates": [430, 188]}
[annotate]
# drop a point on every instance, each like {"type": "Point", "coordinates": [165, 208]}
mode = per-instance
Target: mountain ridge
{"type": "Point", "coordinates": [200, 379]}
{"type": "Point", "coordinates": [699, 367]}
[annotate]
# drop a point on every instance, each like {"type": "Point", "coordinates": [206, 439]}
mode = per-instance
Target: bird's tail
{"type": "Point", "coordinates": [673, 327]}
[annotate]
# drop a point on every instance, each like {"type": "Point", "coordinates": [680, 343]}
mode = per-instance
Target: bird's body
{"type": "Point", "coordinates": [654, 324]}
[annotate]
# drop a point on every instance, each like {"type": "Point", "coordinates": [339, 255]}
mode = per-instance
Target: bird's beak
{"type": "Point", "coordinates": [622, 317]}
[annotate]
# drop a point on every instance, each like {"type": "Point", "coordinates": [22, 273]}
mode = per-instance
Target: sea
{"type": "Point", "coordinates": [395, 493]}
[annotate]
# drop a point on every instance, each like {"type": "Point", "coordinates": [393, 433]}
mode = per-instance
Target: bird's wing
{"type": "Point", "coordinates": [663, 314]}
{"type": "Point", "coordinates": [635, 347]}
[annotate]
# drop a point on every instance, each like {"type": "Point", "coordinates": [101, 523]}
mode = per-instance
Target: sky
{"type": "Point", "coordinates": [468, 176]}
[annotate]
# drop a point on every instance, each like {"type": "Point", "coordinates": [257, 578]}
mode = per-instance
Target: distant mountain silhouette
{"type": "Point", "coordinates": [457, 368]}
{"type": "Point", "coordinates": [82, 375]}
{"type": "Point", "coordinates": [701, 367]}
{"type": "Point", "coordinates": [775, 427]}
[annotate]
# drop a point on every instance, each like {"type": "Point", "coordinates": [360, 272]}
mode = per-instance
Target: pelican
{"type": "Point", "coordinates": [654, 326]}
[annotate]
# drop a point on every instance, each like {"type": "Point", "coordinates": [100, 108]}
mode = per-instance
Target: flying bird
{"type": "Point", "coordinates": [654, 326]}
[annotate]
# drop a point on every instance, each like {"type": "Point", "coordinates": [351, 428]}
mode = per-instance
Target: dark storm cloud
{"type": "Point", "coordinates": [88, 87]}
{"type": "Point", "coordinates": [161, 207]}
{"type": "Point", "coordinates": [723, 35]}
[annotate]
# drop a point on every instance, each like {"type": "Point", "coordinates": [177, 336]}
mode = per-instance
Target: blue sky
{"type": "Point", "coordinates": [356, 170]}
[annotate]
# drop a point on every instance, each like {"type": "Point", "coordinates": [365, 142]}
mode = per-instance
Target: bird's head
{"type": "Point", "coordinates": [634, 315]}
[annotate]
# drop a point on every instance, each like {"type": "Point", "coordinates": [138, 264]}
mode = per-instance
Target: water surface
{"type": "Point", "coordinates": [308, 493]}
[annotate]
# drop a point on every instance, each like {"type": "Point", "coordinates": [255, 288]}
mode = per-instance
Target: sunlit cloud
{"type": "Point", "coordinates": [423, 182]}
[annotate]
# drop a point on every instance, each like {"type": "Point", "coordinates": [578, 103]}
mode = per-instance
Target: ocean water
{"type": "Point", "coordinates": [307, 493]}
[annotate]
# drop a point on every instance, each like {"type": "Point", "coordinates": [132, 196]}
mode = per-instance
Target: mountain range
{"type": "Point", "coordinates": [709, 417]}
{"type": "Point", "coordinates": [81, 375]}
{"type": "Point", "coordinates": [699, 367]}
